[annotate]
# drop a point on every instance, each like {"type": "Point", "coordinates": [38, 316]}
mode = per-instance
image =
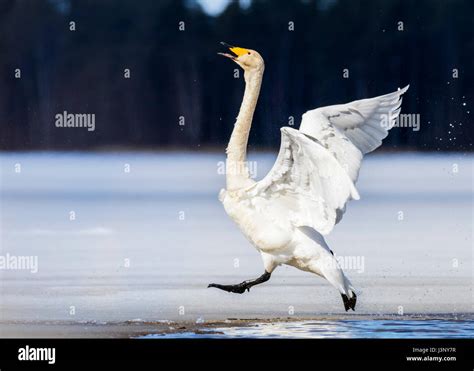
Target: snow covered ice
{"type": "Point", "coordinates": [114, 245]}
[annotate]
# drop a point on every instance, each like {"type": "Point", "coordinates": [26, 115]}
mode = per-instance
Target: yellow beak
{"type": "Point", "coordinates": [237, 51]}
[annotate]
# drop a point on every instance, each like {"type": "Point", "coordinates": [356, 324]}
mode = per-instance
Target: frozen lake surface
{"type": "Point", "coordinates": [113, 245]}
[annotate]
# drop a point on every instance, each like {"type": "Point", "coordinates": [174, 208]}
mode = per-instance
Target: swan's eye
{"type": "Point", "coordinates": [249, 53]}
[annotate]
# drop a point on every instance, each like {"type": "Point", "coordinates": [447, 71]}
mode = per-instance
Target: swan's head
{"type": "Point", "coordinates": [248, 59]}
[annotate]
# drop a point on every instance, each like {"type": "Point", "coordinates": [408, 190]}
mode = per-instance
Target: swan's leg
{"type": "Point", "coordinates": [241, 287]}
{"type": "Point", "coordinates": [268, 263]}
{"type": "Point", "coordinates": [314, 255]}
{"type": "Point", "coordinates": [329, 268]}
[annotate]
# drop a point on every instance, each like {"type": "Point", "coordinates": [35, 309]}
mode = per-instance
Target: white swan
{"type": "Point", "coordinates": [286, 214]}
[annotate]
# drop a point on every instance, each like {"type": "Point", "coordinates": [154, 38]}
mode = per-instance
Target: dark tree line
{"type": "Point", "coordinates": [175, 74]}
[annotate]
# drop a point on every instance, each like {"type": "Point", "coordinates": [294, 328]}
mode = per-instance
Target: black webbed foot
{"type": "Point", "coordinates": [349, 303]}
{"type": "Point", "coordinates": [238, 289]}
{"type": "Point", "coordinates": [241, 287]}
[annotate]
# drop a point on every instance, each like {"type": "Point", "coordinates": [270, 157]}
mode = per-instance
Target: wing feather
{"type": "Point", "coordinates": [363, 123]}
{"type": "Point", "coordinates": [307, 177]}
{"type": "Point", "coordinates": [314, 174]}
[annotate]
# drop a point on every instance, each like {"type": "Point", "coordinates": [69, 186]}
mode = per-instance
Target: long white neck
{"type": "Point", "coordinates": [236, 167]}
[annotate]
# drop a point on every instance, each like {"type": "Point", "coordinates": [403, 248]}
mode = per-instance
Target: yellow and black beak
{"type": "Point", "coordinates": [235, 50]}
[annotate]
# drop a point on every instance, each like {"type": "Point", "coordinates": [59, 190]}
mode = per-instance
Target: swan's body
{"type": "Point", "coordinates": [286, 214]}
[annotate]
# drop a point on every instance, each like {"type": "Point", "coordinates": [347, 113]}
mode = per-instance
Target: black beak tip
{"type": "Point", "coordinates": [226, 45]}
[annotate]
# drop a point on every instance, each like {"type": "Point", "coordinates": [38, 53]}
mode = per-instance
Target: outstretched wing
{"type": "Point", "coordinates": [306, 181]}
{"type": "Point", "coordinates": [313, 177]}
{"type": "Point", "coordinates": [351, 130]}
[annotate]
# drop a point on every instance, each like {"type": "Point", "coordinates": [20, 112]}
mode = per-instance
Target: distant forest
{"type": "Point", "coordinates": [149, 72]}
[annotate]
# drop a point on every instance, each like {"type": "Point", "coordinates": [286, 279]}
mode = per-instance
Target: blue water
{"type": "Point", "coordinates": [404, 329]}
